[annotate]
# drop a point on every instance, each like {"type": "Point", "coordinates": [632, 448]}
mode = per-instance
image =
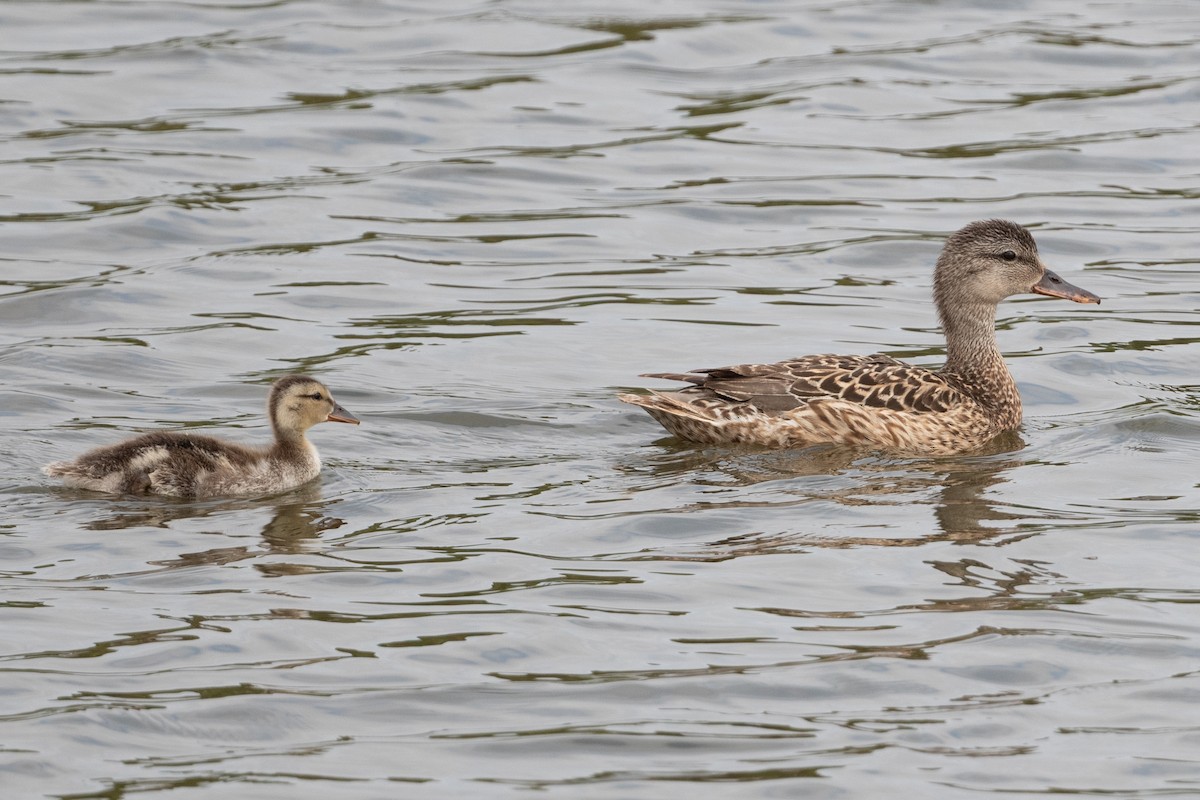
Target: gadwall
{"type": "Point", "coordinates": [876, 401]}
{"type": "Point", "coordinates": [191, 466]}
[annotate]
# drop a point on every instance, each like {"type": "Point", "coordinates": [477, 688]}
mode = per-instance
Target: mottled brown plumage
{"type": "Point", "coordinates": [191, 466]}
{"type": "Point", "coordinates": [876, 401]}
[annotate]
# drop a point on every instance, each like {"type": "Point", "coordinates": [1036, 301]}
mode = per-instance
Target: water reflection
{"type": "Point", "coordinates": [297, 520]}
{"type": "Point", "coordinates": [957, 490]}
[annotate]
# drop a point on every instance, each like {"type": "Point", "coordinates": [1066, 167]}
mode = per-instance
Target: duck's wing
{"type": "Point", "coordinates": [874, 381]}
{"type": "Point", "coordinates": [153, 449]}
{"type": "Point", "coordinates": [161, 463]}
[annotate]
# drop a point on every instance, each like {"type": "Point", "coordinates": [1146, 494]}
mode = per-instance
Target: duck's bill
{"type": "Point", "coordinates": [340, 414]}
{"type": "Point", "coordinates": [1053, 286]}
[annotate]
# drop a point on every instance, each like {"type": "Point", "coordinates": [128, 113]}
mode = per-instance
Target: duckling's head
{"type": "Point", "coordinates": [298, 402]}
{"type": "Point", "coordinates": [992, 259]}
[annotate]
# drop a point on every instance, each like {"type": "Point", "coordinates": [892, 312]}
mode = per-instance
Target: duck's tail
{"type": "Point", "coordinates": [681, 418]}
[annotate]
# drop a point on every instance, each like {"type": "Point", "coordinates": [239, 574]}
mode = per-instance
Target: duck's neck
{"type": "Point", "coordinates": [974, 359]}
{"type": "Point", "coordinates": [291, 445]}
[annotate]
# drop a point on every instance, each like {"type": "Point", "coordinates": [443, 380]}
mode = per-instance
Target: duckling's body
{"type": "Point", "coordinates": [191, 466]}
{"type": "Point", "coordinates": [877, 401]}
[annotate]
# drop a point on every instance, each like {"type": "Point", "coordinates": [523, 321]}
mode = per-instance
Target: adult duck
{"type": "Point", "coordinates": [191, 466]}
{"type": "Point", "coordinates": [876, 401]}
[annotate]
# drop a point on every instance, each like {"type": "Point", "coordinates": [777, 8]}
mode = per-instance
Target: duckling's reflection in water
{"type": "Point", "coordinates": [961, 508]}
{"type": "Point", "coordinates": [298, 519]}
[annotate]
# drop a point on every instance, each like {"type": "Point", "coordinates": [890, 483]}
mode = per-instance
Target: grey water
{"type": "Point", "coordinates": [478, 222]}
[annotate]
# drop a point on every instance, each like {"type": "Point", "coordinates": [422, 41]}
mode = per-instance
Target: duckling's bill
{"type": "Point", "coordinates": [1053, 286]}
{"type": "Point", "coordinates": [340, 414]}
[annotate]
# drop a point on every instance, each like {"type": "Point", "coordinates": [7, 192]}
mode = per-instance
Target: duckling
{"type": "Point", "coordinates": [877, 401]}
{"type": "Point", "coordinates": [189, 466]}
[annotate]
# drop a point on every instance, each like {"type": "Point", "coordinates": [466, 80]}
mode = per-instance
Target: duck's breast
{"type": "Point", "coordinates": [270, 473]}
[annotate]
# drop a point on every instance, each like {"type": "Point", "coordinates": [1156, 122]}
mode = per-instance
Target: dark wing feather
{"type": "Point", "coordinates": [185, 453]}
{"type": "Point", "coordinates": [877, 381]}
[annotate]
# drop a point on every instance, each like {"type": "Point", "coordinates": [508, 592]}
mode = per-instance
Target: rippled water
{"type": "Point", "coordinates": [478, 222]}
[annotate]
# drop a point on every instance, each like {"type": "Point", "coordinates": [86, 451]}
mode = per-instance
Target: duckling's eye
{"type": "Point", "coordinates": [1009, 255]}
{"type": "Point", "coordinates": [317, 396]}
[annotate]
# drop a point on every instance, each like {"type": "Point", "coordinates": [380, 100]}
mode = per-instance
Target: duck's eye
{"type": "Point", "coordinates": [317, 396]}
{"type": "Point", "coordinates": [1009, 255]}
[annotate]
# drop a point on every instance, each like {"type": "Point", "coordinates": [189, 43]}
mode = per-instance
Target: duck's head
{"type": "Point", "coordinates": [298, 402]}
{"type": "Point", "coordinates": [992, 259]}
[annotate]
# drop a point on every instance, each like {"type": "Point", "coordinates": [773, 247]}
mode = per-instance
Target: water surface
{"type": "Point", "coordinates": [478, 222]}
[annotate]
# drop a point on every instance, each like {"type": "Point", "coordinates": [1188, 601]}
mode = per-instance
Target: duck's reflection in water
{"type": "Point", "coordinates": [955, 489]}
{"type": "Point", "coordinates": [297, 520]}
